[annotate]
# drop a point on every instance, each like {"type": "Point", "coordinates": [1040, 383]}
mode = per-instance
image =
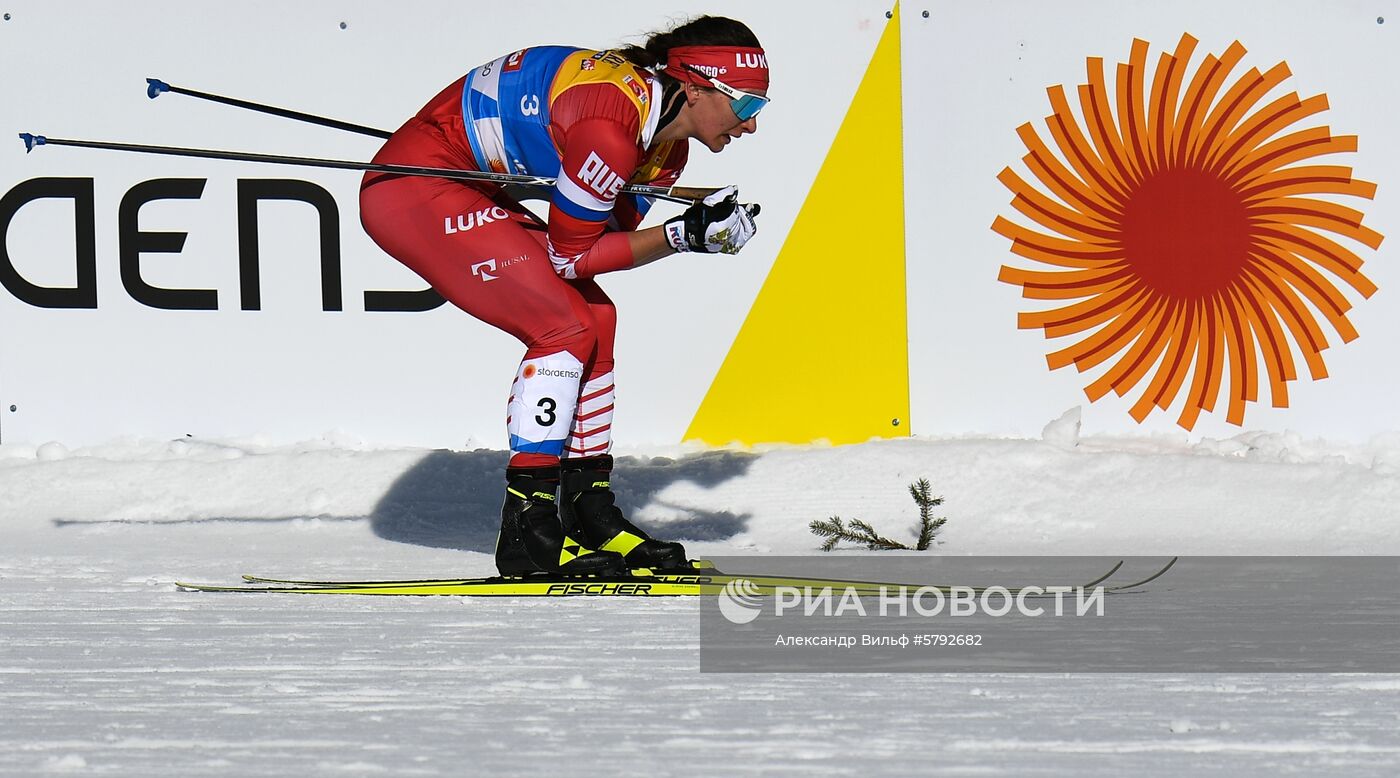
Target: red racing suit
{"type": "Point", "coordinates": [586, 117]}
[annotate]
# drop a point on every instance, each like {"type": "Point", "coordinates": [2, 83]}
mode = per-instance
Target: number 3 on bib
{"type": "Point", "coordinates": [548, 417]}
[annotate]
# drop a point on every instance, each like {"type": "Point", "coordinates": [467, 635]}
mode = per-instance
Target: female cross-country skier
{"type": "Point", "coordinates": [596, 120]}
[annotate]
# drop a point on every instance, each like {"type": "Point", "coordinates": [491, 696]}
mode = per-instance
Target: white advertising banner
{"type": "Point", "coordinates": [1177, 217]}
{"type": "Point", "coordinates": [213, 298]}
{"type": "Point", "coordinates": [1168, 214]}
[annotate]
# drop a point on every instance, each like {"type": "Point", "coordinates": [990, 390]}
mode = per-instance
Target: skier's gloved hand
{"type": "Point", "coordinates": [719, 223]}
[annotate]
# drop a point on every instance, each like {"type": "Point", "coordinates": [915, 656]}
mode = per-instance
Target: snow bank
{"type": "Point", "coordinates": [1255, 493]}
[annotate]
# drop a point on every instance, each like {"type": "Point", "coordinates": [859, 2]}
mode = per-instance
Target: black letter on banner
{"type": "Point", "coordinates": [133, 243]}
{"type": "Point", "coordinates": [409, 302]}
{"type": "Point", "coordinates": [80, 190]}
{"type": "Point", "coordinates": [250, 191]}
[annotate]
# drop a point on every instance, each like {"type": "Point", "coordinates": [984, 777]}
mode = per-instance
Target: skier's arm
{"type": "Point", "coordinates": [649, 245]}
{"type": "Point", "coordinates": [600, 154]}
{"type": "Point", "coordinates": [599, 157]}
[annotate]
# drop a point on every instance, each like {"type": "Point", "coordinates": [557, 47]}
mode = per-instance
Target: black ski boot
{"type": "Point", "coordinates": [533, 541]}
{"type": "Point", "coordinates": [586, 506]}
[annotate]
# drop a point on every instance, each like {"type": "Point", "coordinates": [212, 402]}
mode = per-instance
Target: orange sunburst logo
{"type": "Point", "coordinates": [1182, 232]}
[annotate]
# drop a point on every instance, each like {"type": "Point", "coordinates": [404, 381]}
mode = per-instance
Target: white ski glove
{"type": "Point", "coordinates": [719, 223]}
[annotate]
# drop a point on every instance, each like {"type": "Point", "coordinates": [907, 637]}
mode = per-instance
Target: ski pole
{"type": "Point", "coordinates": [155, 88]}
{"type": "Point", "coordinates": [685, 195]}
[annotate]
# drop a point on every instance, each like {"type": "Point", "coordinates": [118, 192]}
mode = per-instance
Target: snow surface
{"type": "Point", "coordinates": [105, 668]}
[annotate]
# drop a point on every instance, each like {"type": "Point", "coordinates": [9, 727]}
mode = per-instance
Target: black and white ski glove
{"type": "Point", "coordinates": [719, 223]}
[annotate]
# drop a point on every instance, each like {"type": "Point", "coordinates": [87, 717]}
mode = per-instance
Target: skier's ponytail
{"type": "Point", "coordinates": [700, 31]}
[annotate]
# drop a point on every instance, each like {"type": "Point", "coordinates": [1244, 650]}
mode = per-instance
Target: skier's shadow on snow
{"type": "Point", "coordinates": [452, 499]}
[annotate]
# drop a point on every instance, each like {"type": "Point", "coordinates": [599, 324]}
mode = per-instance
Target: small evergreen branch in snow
{"type": "Point", "coordinates": [928, 525]}
{"type": "Point", "coordinates": [835, 529]}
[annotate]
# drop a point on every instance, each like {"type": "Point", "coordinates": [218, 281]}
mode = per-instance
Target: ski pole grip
{"type": "Point", "coordinates": [30, 141]}
{"type": "Point", "coordinates": [154, 87]}
{"type": "Point", "coordinates": [696, 193]}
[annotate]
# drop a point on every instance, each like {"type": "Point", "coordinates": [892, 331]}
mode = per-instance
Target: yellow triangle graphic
{"type": "Point", "coordinates": [824, 352]}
